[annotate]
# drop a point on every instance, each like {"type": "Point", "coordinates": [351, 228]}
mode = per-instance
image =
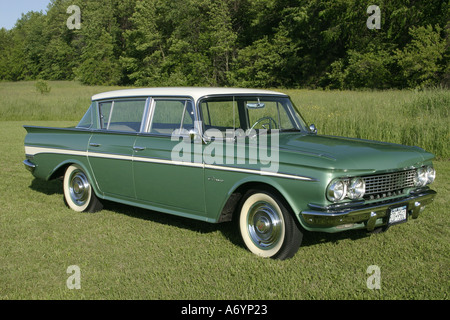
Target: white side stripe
{"type": "Point", "coordinates": [109, 156]}
{"type": "Point", "coordinates": [36, 150]}
{"type": "Point", "coordinates": [32, 151]}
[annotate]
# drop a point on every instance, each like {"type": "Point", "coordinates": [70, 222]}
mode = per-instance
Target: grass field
{"type": "Point", "coordinates": [130, 253]}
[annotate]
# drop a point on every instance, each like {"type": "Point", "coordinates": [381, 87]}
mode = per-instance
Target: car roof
{"type": "Point", "coordinates": [194, 92]}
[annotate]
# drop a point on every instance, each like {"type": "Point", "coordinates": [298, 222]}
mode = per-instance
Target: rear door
{"type": "Point", "coordinates": [110, 149]}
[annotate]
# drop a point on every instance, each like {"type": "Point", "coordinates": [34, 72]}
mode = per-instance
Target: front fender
{"type": "Point", "coordinates": [294, 192]}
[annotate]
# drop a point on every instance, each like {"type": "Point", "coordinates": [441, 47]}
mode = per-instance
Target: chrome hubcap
{"type": "Point", "coordinates": [264, 225]}
{"type": "Point", "coordinates": [79, 188]}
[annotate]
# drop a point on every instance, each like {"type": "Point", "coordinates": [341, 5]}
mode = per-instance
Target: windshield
{"type": "Point", "coordinates": [251, 114]}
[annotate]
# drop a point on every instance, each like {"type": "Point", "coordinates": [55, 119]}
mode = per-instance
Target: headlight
{"type": "Point", "coordinates": [337, 190]}
{"type": "Point", "coordinates": [421, 177]}
{"type": "Point", "coordinates": [424, 176]}
{"type": "Point", "coordinates": [431, 174]}
{"type": "Point", "coordinates": [357, 188]}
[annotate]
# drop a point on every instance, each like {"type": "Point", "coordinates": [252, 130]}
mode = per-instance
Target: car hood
{"type": "Point", "coordinates": [348, 154]}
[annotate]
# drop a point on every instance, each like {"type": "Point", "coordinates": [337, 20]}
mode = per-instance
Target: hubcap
{"type": "Point", "coordinates": [79, 188]}
{"type": "Point", "coordinates": [264, 225]}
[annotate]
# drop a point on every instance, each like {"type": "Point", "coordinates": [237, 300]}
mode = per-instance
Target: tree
{"type": "Point", "coordinates": [421, 60]}
{"type": "Point", "coordinates": [263, 43]}
{"type": "Point", "coordinates": [99, 59]}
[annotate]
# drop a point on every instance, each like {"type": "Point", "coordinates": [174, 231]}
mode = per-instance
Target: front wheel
{"type": "Point", "coordinates": [267, 227]}
{"type": "Point", "coordinates": [78, 192]}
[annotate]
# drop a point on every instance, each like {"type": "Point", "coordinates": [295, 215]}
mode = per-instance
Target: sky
{"type": "Point", "coordinates": [11, 10]}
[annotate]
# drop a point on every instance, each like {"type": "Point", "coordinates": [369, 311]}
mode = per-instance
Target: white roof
{"type": "Point", "coordinates": [194, 92]}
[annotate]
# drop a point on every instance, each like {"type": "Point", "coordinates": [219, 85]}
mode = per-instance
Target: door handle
{"type": "Point", "coordinates": [138, 148]}
{"type": "Point", "coordinates": [96, 145]}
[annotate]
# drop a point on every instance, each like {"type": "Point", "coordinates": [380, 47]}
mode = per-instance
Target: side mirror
{"type": "Point", "coordinates": [313, 128]}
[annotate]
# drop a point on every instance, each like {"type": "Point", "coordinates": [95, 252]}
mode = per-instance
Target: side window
{"type": "Point", "coordinates": [122, 115]}
{"type": "Point", "coordinates": [172, 114]}
{"type": "Point", "coordinates": [220, 115]}
{"type": "Point", "coordinates": [87, 122]}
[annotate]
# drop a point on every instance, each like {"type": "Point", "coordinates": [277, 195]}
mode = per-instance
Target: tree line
{"type": "Point", "coordinates": [249, 43]}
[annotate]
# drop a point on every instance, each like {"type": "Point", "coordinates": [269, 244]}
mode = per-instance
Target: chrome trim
{"type": "Point", "coordinates": [29, 165]}
{"type": "Point", "coordinates": [336, 207]}
{"type": "Point", "coordinates": [110, 114]}
{"type": "Point", "coordinates": [168, 162]}
{"type": "Point", "coordinates": [366, 213]}
{"type": "Point", "coordinates": [99, 123]}
{"type": "Point", "coordinates": [151, 111]}
{"type": "Point", "coordinates": [262, 173]}
{"type": "Point", "coordinates": [388, 182]}
{"type": "Point", "coordinates": [145, 116]}
{"type": "Point", "coordinates": [103, 131]}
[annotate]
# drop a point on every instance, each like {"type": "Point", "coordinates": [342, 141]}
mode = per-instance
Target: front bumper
{"type": "Point", "coordinates": [361, 215]}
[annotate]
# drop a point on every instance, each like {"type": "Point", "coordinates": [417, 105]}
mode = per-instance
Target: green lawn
{"type": "Point", "coordinates": [129, 253]}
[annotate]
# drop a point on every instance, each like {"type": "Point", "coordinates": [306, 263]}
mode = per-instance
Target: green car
{"type": "Point", "coordinates": [223, 154]}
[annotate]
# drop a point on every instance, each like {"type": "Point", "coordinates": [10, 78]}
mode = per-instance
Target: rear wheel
{"type": "Point", "coordinates": [267, 227]}
{"type": "Point", "coordinates": [78, 191]}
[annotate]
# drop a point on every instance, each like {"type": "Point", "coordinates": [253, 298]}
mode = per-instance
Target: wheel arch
{"type": "Point", "coordinates": [232, 203]}
{"type": "Point", "coordinates": [59, 171]}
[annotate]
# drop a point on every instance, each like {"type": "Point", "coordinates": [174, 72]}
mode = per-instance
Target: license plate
{"type": "Point", "coordinates": [397, 215]}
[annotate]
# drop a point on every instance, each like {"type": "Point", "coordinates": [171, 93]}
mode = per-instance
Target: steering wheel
{"type": "Point", "coordinates": [262, 119]}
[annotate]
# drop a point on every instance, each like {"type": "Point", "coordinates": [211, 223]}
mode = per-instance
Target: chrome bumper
{"type": "Point", "coordinates": [29, 165]}
{"type": "Point", "coordinates": [361, 215]}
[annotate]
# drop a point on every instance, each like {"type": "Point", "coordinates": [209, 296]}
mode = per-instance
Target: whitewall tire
{"type": "Point", "coordinates": [267, 228]}
{"type": "Point", "coordinates": [78, 192]}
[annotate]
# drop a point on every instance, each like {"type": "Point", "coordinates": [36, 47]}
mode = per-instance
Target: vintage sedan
{"type": "Point", "coordinates": [223, 154]}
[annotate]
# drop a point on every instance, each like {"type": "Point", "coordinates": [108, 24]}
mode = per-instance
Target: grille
{"type": "Point", "coordinates": [389, 184]}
